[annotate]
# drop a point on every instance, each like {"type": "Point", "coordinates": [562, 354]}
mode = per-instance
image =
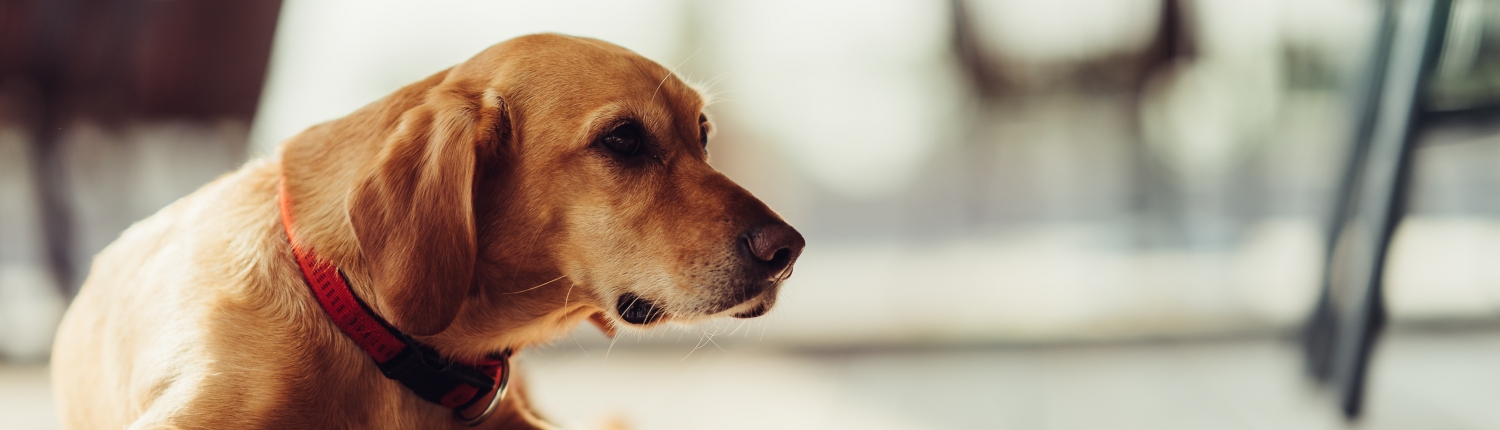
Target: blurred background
{"type": "Point", "coordinates": [1062, 214]}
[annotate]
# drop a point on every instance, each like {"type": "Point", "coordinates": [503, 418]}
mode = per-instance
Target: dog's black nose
{"type": "Point", "coordinates": [775, 246]}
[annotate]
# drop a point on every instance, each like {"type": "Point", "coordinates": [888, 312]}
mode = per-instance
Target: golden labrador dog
{"type": "Point", "coordinates": [490, 207]}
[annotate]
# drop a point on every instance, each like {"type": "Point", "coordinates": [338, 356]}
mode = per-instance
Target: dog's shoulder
{"type": "Point", "coordinates": [149, 324]}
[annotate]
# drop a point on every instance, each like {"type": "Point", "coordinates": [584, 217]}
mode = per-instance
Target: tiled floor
{"type": "Point", "coordinates": [1428, 380]}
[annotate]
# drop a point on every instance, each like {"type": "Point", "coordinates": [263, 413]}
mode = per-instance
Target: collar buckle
{"type": "Point", "coordinates": [436, 378]}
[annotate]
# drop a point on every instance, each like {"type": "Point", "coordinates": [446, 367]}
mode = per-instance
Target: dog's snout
{"type": "Point", "coordinates": [774, 245]}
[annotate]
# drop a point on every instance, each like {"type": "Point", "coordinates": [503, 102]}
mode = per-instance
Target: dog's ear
{"type": "Point", "coordinates": [414, 212]}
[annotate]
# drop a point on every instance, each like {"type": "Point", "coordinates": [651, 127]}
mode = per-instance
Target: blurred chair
{"type": "Point", "coordinates": [1155, 195]}
{"type": "Point", "coordinates": [110, 110]}
{"type": "Point", "coordinates": [116, 64]}
{"type": "Point", "coordinates": [1416, 83]}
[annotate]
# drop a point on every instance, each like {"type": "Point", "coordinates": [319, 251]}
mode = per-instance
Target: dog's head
{"type": "Point", "coordinates": [558, 155]}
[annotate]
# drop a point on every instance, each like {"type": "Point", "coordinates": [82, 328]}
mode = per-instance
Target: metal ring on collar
{"type": "Point", "coordinates": [500, 389]}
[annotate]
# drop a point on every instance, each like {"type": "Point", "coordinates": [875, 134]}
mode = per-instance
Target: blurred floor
{"type": "Point", "coordinates": [1421, 380]}
{"type": "Point", "coordinates": [25, 398]}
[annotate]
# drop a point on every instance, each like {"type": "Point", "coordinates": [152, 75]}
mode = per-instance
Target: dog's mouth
{"type": "Point", "coordinates": [636, 310]}
{"type": "Point", "coordinates": [758, 310]}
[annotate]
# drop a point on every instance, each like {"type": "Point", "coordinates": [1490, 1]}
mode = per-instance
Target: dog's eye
{"type": "Point", "coordinates": [703, 130]}
{"type": "Point", "coordinates": [624, 140]}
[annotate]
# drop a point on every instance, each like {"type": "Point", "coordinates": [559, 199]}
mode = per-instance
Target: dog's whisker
{"type": "Point", "coordinates": [542, 285]}
{"type": "Point", "coordinates": [699, 344]}
{"type": "Point", "coordinates": [715, 81]}
{"type": "Point", "coordinates": [611, 348]}
{"type": "Point", "coordinates": [569, 294]}
{"type": "Point", "coordinates": [580, 344]}
{"type": "Point", "coordinates": [726, 91]}
{"type": "Point", "coordinates": [737, 328]}
{"type": "Point", "coordinates": [763, 326]}
{"type": "Point", "coordinates": [716, 96]}
{"type": "Point", "coordinates": [705, 88]}
{"type": "Point", "coordinates": [717, 330]}
{"type": "Point", "coordinates": [670, 73]}
{"type": "Point", "coordinates": [717, 100]}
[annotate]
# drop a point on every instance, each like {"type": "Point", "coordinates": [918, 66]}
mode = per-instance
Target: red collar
{"type": "Point", "coordinates": [417, 366]}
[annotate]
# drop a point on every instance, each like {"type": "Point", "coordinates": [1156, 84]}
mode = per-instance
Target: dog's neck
{"type": "Point", "coordinates": [514, 312]}
{"type": "Point", "coordinates": [513, 305]}
{"type": "Point", "coordinates": [510, 307]}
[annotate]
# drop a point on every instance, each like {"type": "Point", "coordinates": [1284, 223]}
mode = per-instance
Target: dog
{"type": "Point", "coordinates": [493, 206]}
